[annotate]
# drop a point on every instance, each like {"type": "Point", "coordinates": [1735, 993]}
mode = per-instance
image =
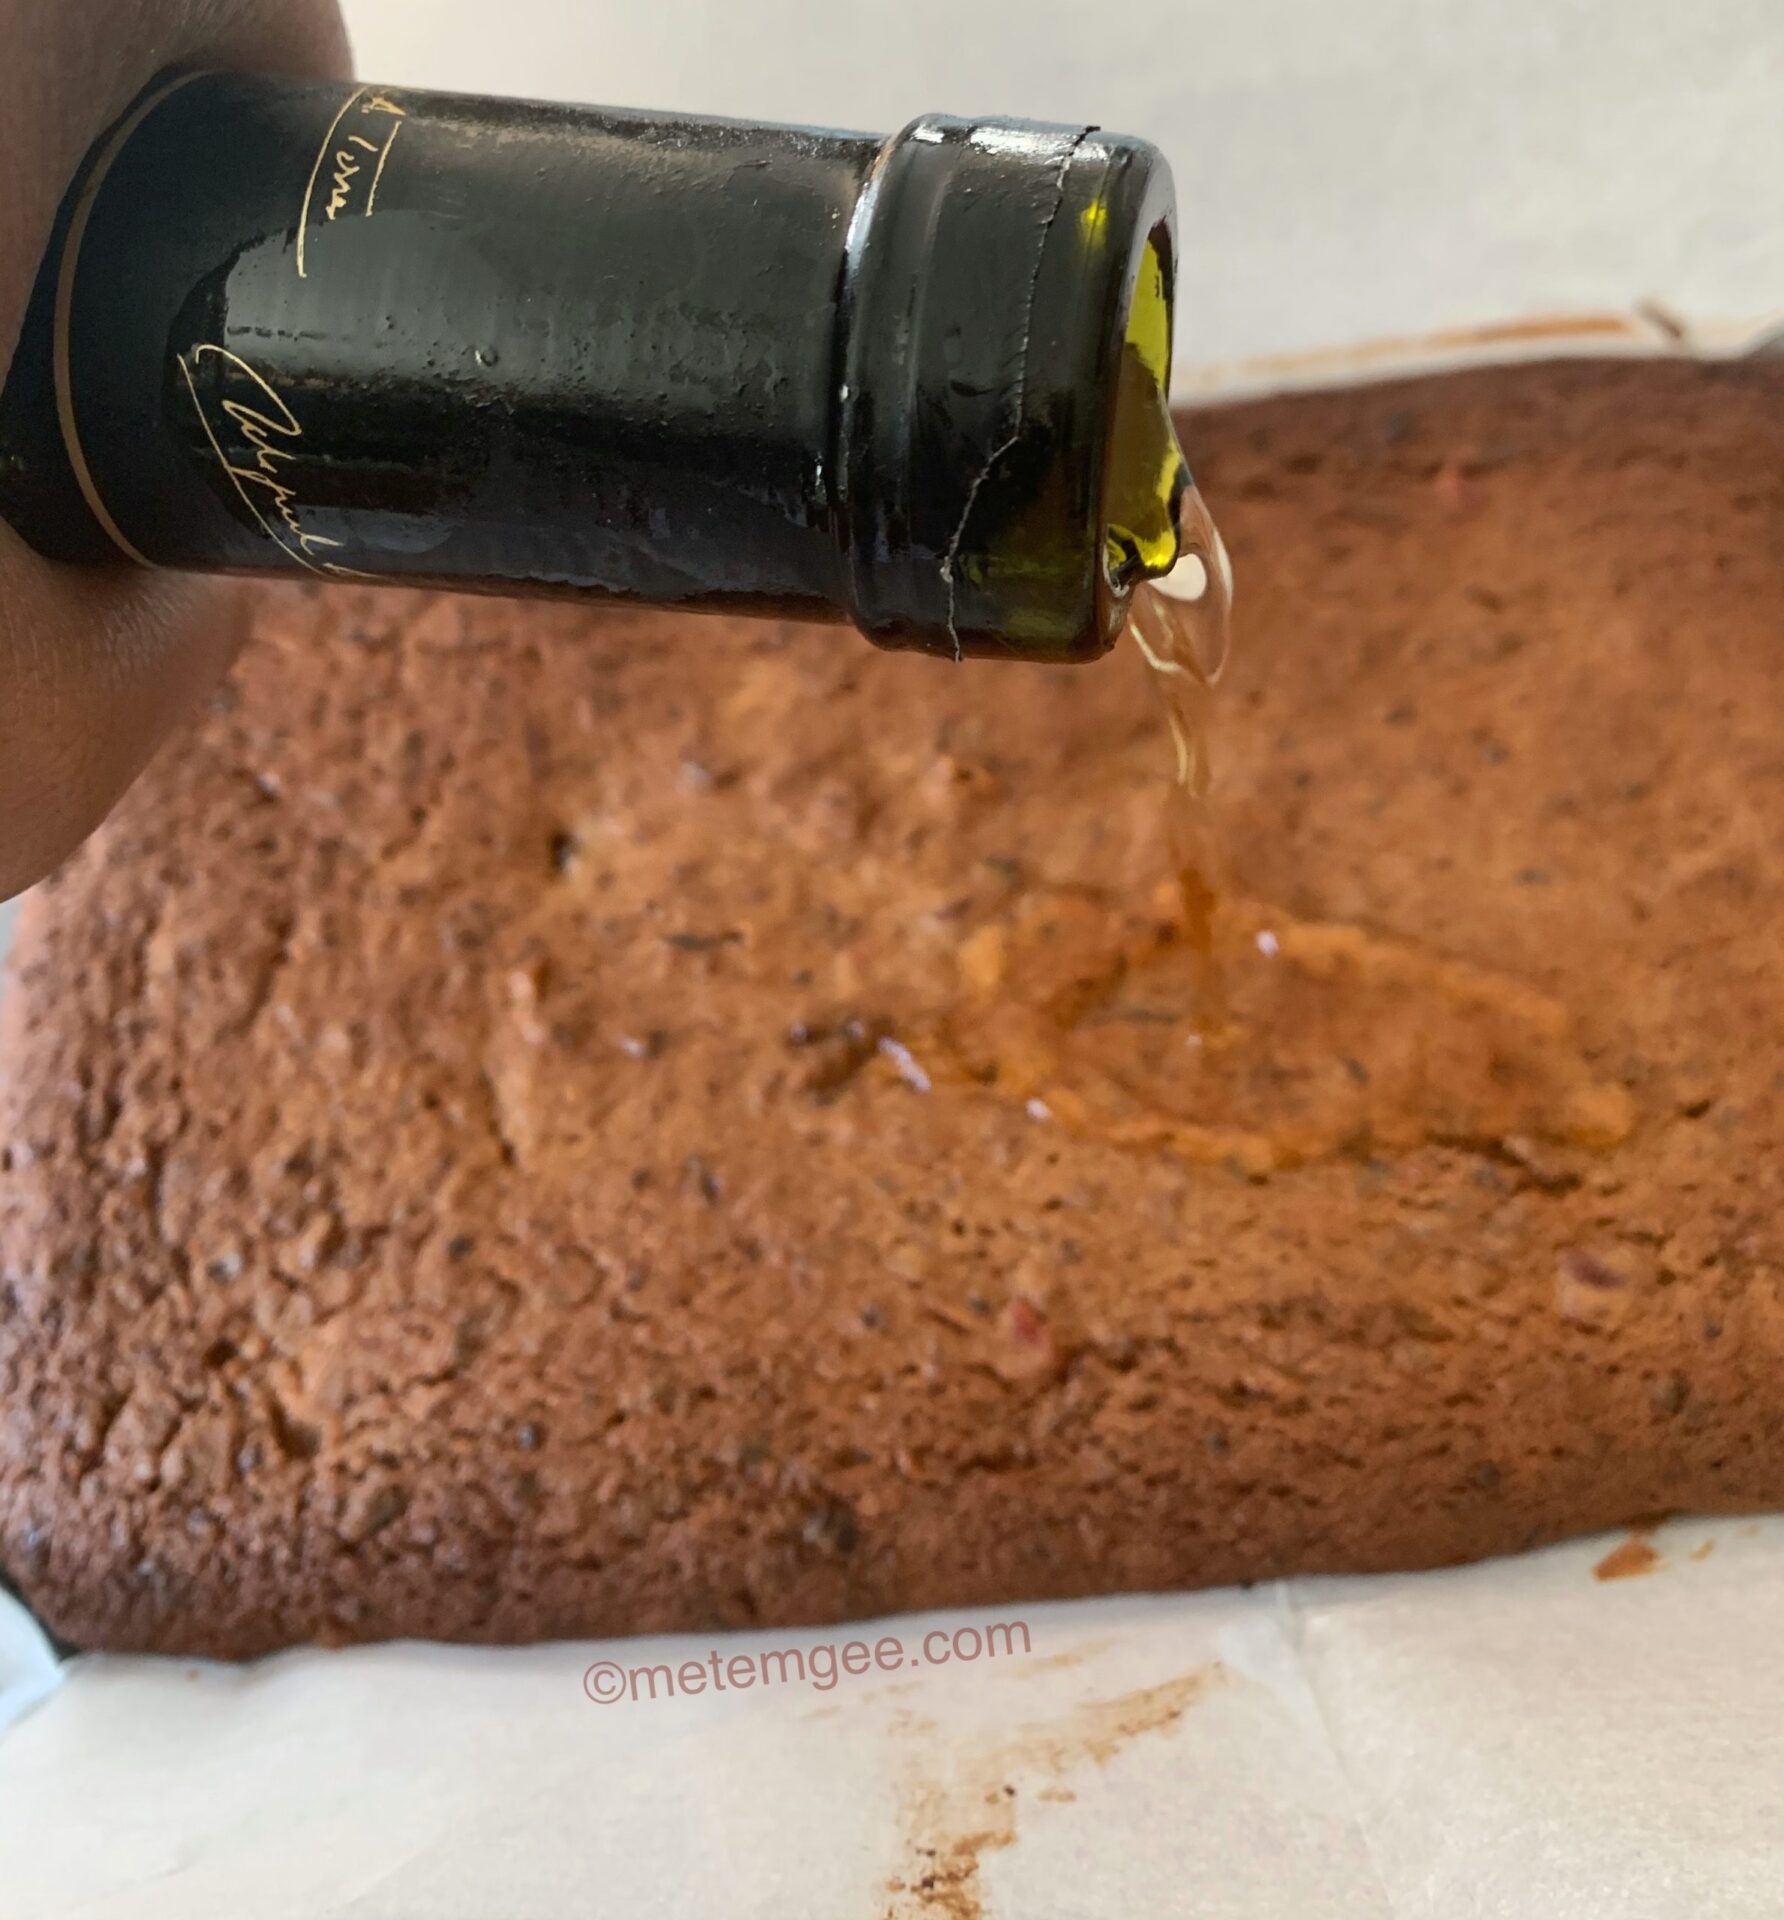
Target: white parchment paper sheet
{"type": "Point", "coordinates": [28, 1669]}
{"type": "Point", "coordinates": [1518, 1739]}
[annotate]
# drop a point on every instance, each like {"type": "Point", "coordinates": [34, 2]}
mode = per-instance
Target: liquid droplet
{"type": "Point", "coordinates": [1187, 580]}
{"type": "Point", "coordinates": [1200, 590]}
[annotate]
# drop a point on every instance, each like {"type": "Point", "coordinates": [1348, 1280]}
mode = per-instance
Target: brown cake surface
{"type": "Point", "coordinates": [538, 1122]}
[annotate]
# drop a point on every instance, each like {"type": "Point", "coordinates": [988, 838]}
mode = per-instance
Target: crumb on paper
{"type": "Point", "coordinates": [1634, 1556]}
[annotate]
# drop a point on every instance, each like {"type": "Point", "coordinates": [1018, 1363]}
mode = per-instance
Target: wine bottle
{"type": "Point", "coordinates": [363, 333]}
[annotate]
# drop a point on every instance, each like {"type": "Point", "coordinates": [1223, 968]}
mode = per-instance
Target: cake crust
{"type": "Point", "coordinates": [518, 1127]}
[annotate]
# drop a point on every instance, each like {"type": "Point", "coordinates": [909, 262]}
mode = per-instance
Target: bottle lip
{"type": "Point", "coordinates": [1155, 223]}
{"type": "Point", "coordinates": [984, 299]}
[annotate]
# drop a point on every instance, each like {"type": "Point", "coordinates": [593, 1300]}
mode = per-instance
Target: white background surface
{"type": "Point", "coordinates": [1345, 168]}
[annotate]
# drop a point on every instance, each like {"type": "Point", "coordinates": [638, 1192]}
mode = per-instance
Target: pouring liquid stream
{"type": "Point", "coordinates": [1238, 1034]}
{"type": "Point", "coordinates": [1182, 625]}
{"type": "Point", "coordinates": [1162, 550]}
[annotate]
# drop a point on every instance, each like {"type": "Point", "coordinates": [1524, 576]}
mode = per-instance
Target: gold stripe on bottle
{"type": "Point", "coordinates": [77, 228]}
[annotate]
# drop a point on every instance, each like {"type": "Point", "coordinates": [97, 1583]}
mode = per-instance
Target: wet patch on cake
{"type": "Point", "coordinates": [954, 1815]}
{"type": "Point", "coordinates": [1326, 1040]}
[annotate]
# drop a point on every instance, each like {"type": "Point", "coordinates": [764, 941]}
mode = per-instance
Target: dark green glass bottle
{"type": "Point", "coordinates": [917, 384]}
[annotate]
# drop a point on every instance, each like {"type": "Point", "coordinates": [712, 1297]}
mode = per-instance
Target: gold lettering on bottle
{"type": "Point", "coordinates": [257, 419]}
{"type": "Point", "coordinates": [359, 138]}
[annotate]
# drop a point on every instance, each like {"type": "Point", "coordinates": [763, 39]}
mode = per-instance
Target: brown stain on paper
{"type": "Point", "coordinates": [1071, 1657]}
{"type": "Point", "coordinates": [950, 1823]}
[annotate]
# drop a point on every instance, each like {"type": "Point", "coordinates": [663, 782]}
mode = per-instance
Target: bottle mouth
{"type": "Point", "coordinates": [1146, 475]}
{"type": "Point", "coordinates": [1007, 472]}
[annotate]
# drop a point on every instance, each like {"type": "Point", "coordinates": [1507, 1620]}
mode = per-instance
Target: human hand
{"type": "Point", "coordinates": [96, 666]}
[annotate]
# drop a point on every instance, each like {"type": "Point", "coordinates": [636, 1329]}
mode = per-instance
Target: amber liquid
{"type": "Point", "coordinates": [1213, 1025]}
{"type": "Point", "coordinates": [1182, 626]}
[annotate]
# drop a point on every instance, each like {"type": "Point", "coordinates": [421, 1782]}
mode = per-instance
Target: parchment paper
{"type": "Point", "coordinates": [1523, 1738]}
